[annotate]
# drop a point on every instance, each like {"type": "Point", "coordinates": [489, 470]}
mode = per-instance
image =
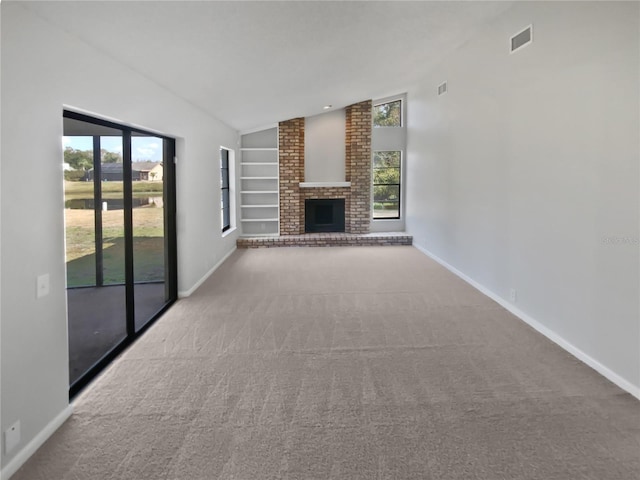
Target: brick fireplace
{"type": "Point", "coordinates": [356, 188]}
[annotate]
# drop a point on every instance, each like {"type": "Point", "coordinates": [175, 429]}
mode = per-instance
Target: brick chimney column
{"type": "Point", "coordinates": [291, 168]}
{"type": "Point", "coordinates": [358, 165]}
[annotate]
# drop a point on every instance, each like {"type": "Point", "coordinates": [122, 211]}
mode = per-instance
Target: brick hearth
{"type": "Point", "coordinates": [326, 240]}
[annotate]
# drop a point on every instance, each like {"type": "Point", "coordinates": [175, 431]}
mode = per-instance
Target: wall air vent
{"type": "Point", "coordinates": [521, 39]}
{"type": "Point", "coordinates": [442, 88]}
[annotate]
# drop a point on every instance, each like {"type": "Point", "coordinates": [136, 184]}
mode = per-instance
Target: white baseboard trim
{"type": "Point", "coordinates": [536, 325]}
{"type": "Point", "coordinates": [30, 448]}
{"type": "Point", "coordinates": [186, 293]}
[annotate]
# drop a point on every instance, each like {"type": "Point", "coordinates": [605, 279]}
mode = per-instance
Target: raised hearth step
{"type": "Point", "coordinates": [326, 240]}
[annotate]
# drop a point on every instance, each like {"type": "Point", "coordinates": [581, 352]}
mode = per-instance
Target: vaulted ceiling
{"type": "Point", "coordinates": [254, 63]}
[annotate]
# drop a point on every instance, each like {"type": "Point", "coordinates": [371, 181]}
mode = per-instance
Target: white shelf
{"type": "Point", "coordinates": [259, 176]}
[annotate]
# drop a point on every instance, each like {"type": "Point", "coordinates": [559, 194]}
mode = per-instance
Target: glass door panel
{"type": "Point", "coordinates": [112, 206]}
{"type": "Point", "coordinates": [148, 219]}
{"type": "Point", "coordinates": [94, 243]}
{"type": "Point", "coordinates": [79, 198]}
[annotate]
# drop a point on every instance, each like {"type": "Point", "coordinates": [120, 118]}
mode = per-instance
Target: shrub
{"type": "Point", "coordinates": [74, 175]}
{"type": "Point", "coordinates": [147, 187]}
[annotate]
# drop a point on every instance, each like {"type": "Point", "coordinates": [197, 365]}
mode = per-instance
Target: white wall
{"type": "Point", "coordinates": [324, 147]}
{"type": "Point", "coordinates": [42, 70]}
{"type": "Point", "coordinates": [525, 174]}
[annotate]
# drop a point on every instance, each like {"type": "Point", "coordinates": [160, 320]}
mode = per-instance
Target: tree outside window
{"type": "Point", "coordinates": [388, 114]}
{"type": "Point", "coordinates": [386, 184]}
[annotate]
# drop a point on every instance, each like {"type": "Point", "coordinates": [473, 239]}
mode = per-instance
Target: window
{"type": "Point", "coordinates": [224, 190]}
{"type": "Point", "coordinates": [388, 114]}
{"type": "Point", "coordinates": [388, 140]}
{"type": "Point", "coordinates": [386, 184]}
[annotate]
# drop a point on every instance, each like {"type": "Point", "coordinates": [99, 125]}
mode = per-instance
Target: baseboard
{"type": "Point", "coordinates": [30, 448]}
{"type": "Point", "coordinates": [536, 325]}
{"type": "Point", "coordinates": [186, 293]}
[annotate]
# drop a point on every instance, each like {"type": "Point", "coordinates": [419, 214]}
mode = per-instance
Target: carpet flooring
{"type": "Point", "coordinates": [343, 363]}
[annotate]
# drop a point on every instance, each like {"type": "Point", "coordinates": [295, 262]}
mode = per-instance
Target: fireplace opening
{"type": "Point", "coordinates": [322, 215]}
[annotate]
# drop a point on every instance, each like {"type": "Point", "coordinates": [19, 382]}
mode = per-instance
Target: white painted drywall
{"type": "Point", "coordinates": [324, 147]}
{"type": "Point", "coordinates": [43, 69]}
{"type": "Point", "coordinates": [525, 174]}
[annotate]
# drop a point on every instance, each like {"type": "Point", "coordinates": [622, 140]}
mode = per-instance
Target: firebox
{"type": "Point", "coordinates": [324, 215]}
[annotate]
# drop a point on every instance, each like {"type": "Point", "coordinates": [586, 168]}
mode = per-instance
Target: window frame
{"type": "Point", "coordinates": [391, 139]}
{"type": "Point", "coordinates": [385, 102]}
{"type": "Point", "coordinates": [225, 207]}
{"type": "Point", "coordinates": [399, 184]}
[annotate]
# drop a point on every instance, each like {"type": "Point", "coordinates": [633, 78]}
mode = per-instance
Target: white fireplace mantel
{"type": "Point", "coordinates": [324, 184]}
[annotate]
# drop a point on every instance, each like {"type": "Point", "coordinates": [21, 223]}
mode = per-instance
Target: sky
{"type": "Point", "coordinates": [142, 148]}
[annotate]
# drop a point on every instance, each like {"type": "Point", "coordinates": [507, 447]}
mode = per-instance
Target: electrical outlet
{"type": "Point", "coordinates": [513, 295]}
{"type": "Point", "coordinates": [12, 437]}
{"type": "Point", "coordinates": [42, 285]}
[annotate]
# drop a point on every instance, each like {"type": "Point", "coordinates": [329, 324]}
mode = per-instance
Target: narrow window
{"type": "Point", "coordinates": [388, 114]}
{"type": "Point", "coordinates": [386, 184]}
{"type": "Point", "coordinates": [224, 190]}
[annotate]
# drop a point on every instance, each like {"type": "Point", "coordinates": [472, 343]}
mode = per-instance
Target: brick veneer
{"type": "Point", "coordinates": [358, 165]}
{"type": "Point", "coordinates": [291, 167]}
{"type": "Point", "coordinates": [326, 193]}
{"type": "Point", "coordinates": [357, 169]}
{"type": "Point", "coordinates": [326, 240]}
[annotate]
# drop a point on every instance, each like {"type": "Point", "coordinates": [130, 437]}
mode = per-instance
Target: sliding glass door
{"type": "Point", "coordinates": [150, 267]}
{"type": "Point", "coordinates": [120, 238]}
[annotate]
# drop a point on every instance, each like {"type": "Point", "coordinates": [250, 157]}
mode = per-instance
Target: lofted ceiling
{"type": "Point", "coordinates": [252, 64]}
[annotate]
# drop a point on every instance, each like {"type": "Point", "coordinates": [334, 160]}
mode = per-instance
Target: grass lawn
{"type": "Point", "coordinates": [85, 189]}
{"type": "Point", "coordinates": [148, 232]}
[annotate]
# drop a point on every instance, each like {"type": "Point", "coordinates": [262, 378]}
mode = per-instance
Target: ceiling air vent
{"type": "Point", "coordinates": [442, 88]}
{"type": "Point", "coordinates": [522, 39]}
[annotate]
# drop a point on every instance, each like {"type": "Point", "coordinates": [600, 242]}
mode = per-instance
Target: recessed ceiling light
{"type": "Point", "coordinates": [327, 107]}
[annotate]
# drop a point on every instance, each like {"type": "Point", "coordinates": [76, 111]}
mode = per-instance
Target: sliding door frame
{"type": "Point", "coordinates": [170, 236]}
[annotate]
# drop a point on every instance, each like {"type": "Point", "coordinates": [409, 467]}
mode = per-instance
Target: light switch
{"type": "Point", "coordinates": [42, 285]}
{"type": "Point", "coordinates": [12, 437]}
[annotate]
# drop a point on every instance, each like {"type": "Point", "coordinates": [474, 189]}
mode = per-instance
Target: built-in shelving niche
{"type": "Point", "coordinates": [259, 184]}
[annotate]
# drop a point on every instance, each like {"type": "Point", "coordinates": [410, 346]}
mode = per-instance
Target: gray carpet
{"type": "Point", "coordinates": [343, 363]}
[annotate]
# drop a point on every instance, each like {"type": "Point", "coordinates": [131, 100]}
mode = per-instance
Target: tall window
{"type": "Point", "coordinates": [386, 184]}
{"type": "Point", "coordinates": [388, 140]}
{"type": "Point", "coordinates": [224, 190]}
{"type": "Point", "coordinates": [388, 114]}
